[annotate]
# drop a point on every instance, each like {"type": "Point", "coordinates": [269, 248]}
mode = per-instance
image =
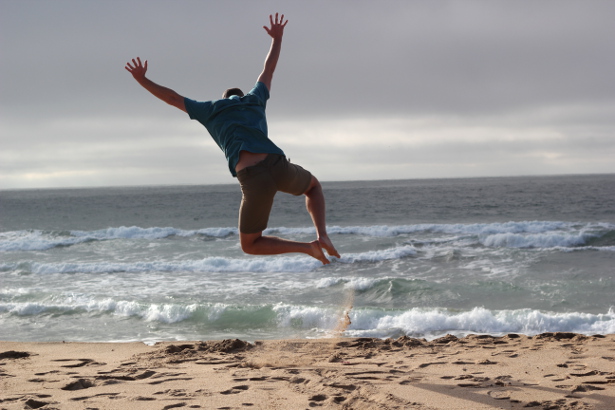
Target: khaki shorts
{"type": "Point", "coordinates": [259, 184]}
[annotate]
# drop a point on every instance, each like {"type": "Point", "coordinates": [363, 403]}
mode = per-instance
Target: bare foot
{"type": "Point", "coordinates": [318, 253]}
{"type": "Point", "coordinates": [326, 243]}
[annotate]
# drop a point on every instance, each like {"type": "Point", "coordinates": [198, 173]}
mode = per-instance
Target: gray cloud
{"type": "Point", "coordinates": [526, 71]}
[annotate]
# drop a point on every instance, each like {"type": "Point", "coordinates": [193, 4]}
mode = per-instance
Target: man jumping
{"type": "Point", "coordinates": [238, 124]}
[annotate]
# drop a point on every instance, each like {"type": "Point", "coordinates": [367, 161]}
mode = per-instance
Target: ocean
{"type": "Point", "coordinates": [421, 258]}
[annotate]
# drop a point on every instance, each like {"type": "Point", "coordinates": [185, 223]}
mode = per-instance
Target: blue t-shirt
{"type": "Point", "coordinates": [236, 123]}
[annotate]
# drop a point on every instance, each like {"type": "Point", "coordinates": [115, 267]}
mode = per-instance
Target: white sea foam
{"type": "Point", "coordinates": [473, 229]}
{"type": "Point", "coordinates": [327, 282]}
{"type": "Point", "coordinates": [135, 232]}
{"type": "Point", "coordinates": [212, 264]}
{"type": "Point", "coordinates": [164, 313]}
{"type": "Point", "coordinates": [542, 234]}
{"type": "Point", "coordinates": [168, 313]}
{"type": "Point", "coordinates": [480, 320]}
{"type": "Point", "coordinates": [33, 241]}
{"type": "Point", "coordinates": [397, 252]}
{"type": "Point", "coordinates": [544, 240]}
{"type": "Point", "coordinates": [36, 240]}
{"type": "Point", "coordinates": [355, 283]}
{"type": "Point", "coordinates": [416, 322]}
{"type": "Point", "coordinates": [306, 317]}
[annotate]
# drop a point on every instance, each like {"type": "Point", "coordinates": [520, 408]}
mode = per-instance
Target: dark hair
{"type": "Point", "coordinates": [232, 91]}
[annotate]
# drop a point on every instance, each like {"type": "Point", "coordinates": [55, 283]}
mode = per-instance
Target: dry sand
{"type": "Point", "coordinates": [548, 371]}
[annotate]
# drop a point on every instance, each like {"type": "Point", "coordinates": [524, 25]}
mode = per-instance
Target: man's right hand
{"type": "Point", "coordinates": [276, 30]}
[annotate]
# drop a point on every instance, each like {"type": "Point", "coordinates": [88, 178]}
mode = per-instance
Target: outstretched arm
{"type": "Point", "coordinates": [138, 70]}
{"type": "Point", "coordinates": [276, 31]}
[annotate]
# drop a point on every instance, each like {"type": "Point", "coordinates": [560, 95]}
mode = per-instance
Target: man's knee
{"type": "Point", "coordinates": [314, 185]}
{"type": "Point", "coordinates": [247, 242]}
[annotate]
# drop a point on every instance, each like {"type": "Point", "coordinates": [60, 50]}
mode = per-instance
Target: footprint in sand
{"type": "Point", "coordinates": [423, 365]}
{"type": "Point", "coordinates": [336, 385]}
{"type": "Point", "coordinates": [585, 388]}
{"type": "Point", "coordinates": [487, 362]}
{"type": "Point", "coordinates": [416, 379]}
{"type": "Point", "coordinates": [590, 373]}
{"type": "Point", "coordinates": [79, 385]}
{"type": "Point", "coordinates": [170, 380]}
{"type": "Point", "coordinates": [469, 385]}
{"type": "Point", "coordinates": [174, 406]}
{"type": "Point", "coordinates": [236, 389]}
{"type": "Point", "coordinates": [314, 400]}
{"type": "Point", "coordinates": [82, 362]}
{"type": "Point", "coordinates": [12, 354]}
{"type": "Point", "coordinates": [109, 395]}
{"type": "Point", "coordinates": [35, 404]}
{"type": "Point", "coordinates": [499, 394]}
{"type": "Point", "coordinates": [297, 380]}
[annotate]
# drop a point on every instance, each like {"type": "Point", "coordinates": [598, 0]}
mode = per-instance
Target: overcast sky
{"type": "Point", "coordinates": [363, 90]}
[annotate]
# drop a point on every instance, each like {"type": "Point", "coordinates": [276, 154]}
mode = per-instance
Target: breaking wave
{"type": "Point", "coordinates": [534, 234]}
{"type": "Point", "coordinates": [365, 322]}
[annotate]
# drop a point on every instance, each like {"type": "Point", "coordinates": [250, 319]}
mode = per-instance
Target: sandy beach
{"type": "Point", "coordinates": [547, 371]}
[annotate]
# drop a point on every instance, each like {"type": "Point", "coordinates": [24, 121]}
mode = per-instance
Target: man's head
{"type": "Point", "coordinates": [232, 91]}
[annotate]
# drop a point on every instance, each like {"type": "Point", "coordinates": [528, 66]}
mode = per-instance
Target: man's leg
{"type": "Point", "coordinates": [257, 244]}
{"type": "Point", "coordinates": [315, 204]}
{"type": "Point", "coordinates": [259, 189]}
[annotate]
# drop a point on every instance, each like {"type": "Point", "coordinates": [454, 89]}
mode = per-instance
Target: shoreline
{"type": "Point", "coordinates": [545, 371]}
